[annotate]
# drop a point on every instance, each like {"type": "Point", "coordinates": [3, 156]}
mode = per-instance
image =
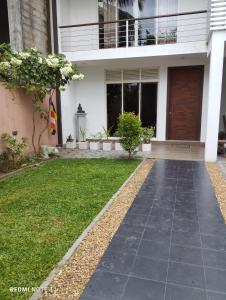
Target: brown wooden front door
{"type": "Point", "coordinates": [185, 86]}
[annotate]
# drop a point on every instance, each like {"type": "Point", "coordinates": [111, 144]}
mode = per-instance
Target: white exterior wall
{"type": "Point", "coordinates": [91, 93]}
{"type": "Point", "coordinates": [214, 93]}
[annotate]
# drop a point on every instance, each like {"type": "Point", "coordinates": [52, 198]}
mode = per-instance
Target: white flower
{"type": "Point", "coordinates": [52, 62]}
{"type": "Point", "coordinates": [15, 61]}
{"type": "Point", "coordinates": [69, 65]}
{"type": "Point", "coordinates": [78, 77]}
{"type": "Point", "coordinates": [62, 88]}
{"type": "Point", "coordinates": [4, 65]}
{"type": "Point", "coordinates": [66, 70]}
{"type": "Point", "coordinates": [24, 55]}
{"type": "Point", "coordinates": [40, 60]}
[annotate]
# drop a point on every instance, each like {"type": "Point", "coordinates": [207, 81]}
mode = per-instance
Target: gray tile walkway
{"type": "Point", "coordinates": [172, 243]}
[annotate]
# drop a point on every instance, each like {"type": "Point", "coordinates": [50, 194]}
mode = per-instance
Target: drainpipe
{"type": "Point", "coordinates": [55, 48]}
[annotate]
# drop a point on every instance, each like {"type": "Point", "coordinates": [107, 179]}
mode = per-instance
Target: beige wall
{"type": "Point", "coordinates": [16, 114]}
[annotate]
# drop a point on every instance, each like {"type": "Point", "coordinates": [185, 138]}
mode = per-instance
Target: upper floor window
{"type": "Point", "coordinates": [4, 22]}
{"type": "Point", "coordinates": [138, 32]}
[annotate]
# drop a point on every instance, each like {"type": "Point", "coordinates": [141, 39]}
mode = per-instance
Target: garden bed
{"type": "Point", "coordinates": [219, 184]}
{"type": "Point", "coordinates": [45, 209]}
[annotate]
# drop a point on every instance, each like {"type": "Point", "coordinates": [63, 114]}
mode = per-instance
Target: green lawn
{"type": "Point", "coordinates": [44, 209]}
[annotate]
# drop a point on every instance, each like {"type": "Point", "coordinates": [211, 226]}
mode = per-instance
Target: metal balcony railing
{"type": "Point", "coordinates": [165, 29]}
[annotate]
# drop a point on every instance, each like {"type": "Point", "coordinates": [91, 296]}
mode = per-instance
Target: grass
{"type": "Point", "coordinates": [44, 209]}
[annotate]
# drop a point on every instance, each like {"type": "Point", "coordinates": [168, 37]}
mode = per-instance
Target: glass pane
{"type": "Point", "coordinates": [114, 105]}
{"type": "Point", "coordinates": [147, 28]}
{"type": "Point", "coordinates": [167, 27]}
{"type": "Point", "coordinates": [131, 97]}
{"type": "Point", "coordinates": [148, 104]}
{"type": "Point", "coordinates": [4, 23]}
{"type": "Point", "coordinates": [125, 11]}
{"type": "Point", "coordinates": [107, 32]}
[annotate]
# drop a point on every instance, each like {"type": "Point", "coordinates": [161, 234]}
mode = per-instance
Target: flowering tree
{"type": "Point", "coordinates": [38, 75]}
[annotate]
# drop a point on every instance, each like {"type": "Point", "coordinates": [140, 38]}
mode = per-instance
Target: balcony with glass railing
{"type": "Point", "coordinates": [187, 27]}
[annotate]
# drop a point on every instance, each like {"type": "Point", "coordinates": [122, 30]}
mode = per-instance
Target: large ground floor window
{"type": "Point", "coordinates": [137, 97]}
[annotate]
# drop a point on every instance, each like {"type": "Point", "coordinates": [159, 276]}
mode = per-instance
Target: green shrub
{"type": "Point", "coordinates": [129, 129]}
{"type": "Point", "coordinates": [147, 133]}
{"type": "Point", "coordinates": [11, 157]}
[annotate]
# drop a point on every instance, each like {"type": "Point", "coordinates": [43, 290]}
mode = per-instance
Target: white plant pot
{"type": "Point", "coordinates": [107, 146]}
{"type": "Point", "coordinates": [94, 146]}
{"type": "Point", "coordinates": [45, 151]}
{"type": "Point", "coordinates": [83, 145]}
{"type": "Point", "coordinates": [70, 145]}
{"type": "Point", "coordinates": [146, 147]}
{"type": "Point", "coordinates": [118, 146]}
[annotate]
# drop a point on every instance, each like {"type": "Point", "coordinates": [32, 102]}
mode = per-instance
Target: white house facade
{"type": "Point", "coordinates": [162, 59]}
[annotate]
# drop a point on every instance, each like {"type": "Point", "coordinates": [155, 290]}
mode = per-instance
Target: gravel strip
{"type": "Point", "coordinates": [219, 185]}
{"type": "Point", "coordinates": [70, 282]}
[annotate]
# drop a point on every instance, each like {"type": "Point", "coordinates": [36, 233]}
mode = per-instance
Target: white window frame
{"type": "Point", "coordinates": [139, 81]}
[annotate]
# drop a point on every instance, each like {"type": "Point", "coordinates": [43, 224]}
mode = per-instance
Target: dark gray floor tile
{"type": "Point", "coordinates": [157, 235]}
{"type": "Point", "coordinates": [187, 275]}
{"type": "Point", "coordinates": [214, 242]}
{"type": "Point", "coordinates": [214, 259]}
{"type": "Point", "coordinates": [186, 197]}
{"type": "Point", "coordinates": [148, 268]}
{"type": "Point", "coordinates": [215, 280]}
{"type": "Point", "coordinates": [176, 292]}
{"type": "Point", "coordinates": [186, 255]}
{"type": "Point", "coordinates": [154, 249]}
{"type": "Point", "coordinates": [143, 202]}
{"type": "Point", "coordinates": [135, 219]}
{"type": "Point", "coordinates": [185, 215]}
{"type": "Point", "coordinates": [185, 206]}
{"type": "Point", "coordinates": [117, 262]}
{"type": "Point", "coordinates": [162, 213]}
{"type": "Point", "coordinates": [130, 230]}
{"type": "Point", "coordinates": [213, 228]}
{"type": "Point", "coordinates": [185, 225]}
{"type": "Point", "coordinates": [124, 244]}
{"type": "Point", "coordinates": [106, 285]}
{"type": "Point", "coordinates": [191, 239]}
{"type": "Point", "coordinates": [159, 223]}
{"type": "Point", "coordinates": [141, 289]}
{"type": "Point", "coordinates": [139, 210]}
{"type": "Point", "coordinates": [206, 214]}
{"type": "Point", "coordinates": [164, 204]}
{"type": "Point", "coordinates": [216, 296]}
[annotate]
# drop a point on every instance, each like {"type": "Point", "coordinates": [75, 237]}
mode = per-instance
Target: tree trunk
{"type": "Point", "coordinates": [33, 132]}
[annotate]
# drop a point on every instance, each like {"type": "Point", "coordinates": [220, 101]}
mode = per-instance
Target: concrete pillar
{"type": "Point", "coordinates": [15, 24]}
{"type": "Point", "coordinates": [214, 94]}
{"type": "Point", "coordinates": [162, 104]}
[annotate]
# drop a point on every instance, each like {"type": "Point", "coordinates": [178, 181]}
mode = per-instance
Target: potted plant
{"type": "Point", "coordinates": [83, 144]}
{"type": "Point", "coordinates": [117, 141]}
{"type": "Point", "coordinates": [129, 130]}
{"type": "Point", "coordinates": [147, 134]}
{"type": "Point", "coordinates": [70, 143]}
{"type": "Point", "coordinates": [94, 144]}
{"type": "Point", "coordinates": [107, 145]}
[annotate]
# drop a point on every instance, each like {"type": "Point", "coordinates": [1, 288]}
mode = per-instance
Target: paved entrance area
{"type": "Point", "coordinates": [171, 244]}
{"type": "Point", "coordinates": [178, 150]}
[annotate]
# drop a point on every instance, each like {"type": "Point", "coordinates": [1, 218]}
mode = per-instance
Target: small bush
{"type": "Point", "coordinates": [147, 134]}
{"type": "Point", "coordinates": [129, 129]}
{"type": "Point", "coordinates": [11, 157]}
